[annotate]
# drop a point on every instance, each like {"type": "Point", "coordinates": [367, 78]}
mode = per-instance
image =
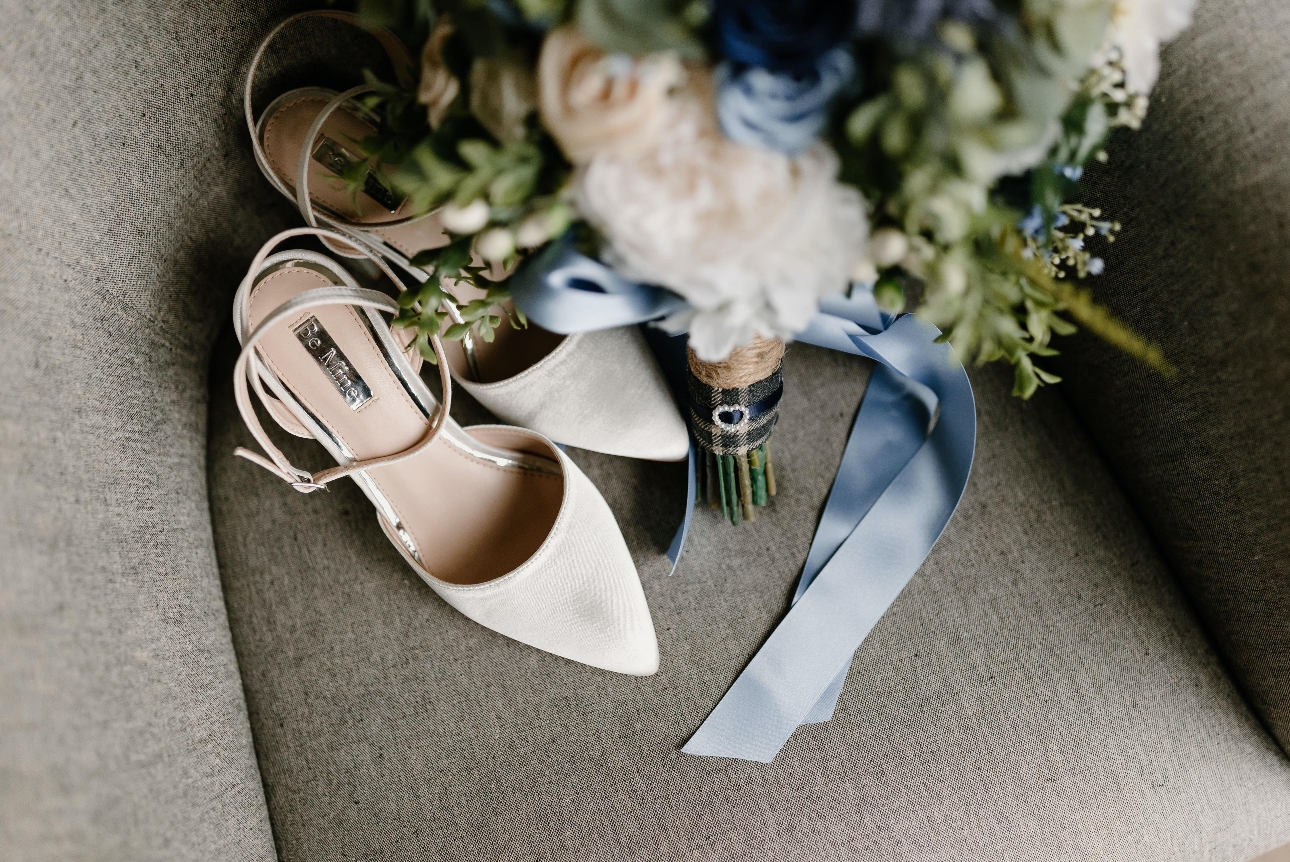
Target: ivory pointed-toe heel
{"type": "Point", "coordinates": [495, 519]}
{"type": "Point", "coordinates": [601, 391]}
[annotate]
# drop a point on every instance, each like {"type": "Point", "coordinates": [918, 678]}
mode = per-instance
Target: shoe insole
{"type": "Point", "coordinates": [471, 518]}
{"type": "Point", "coordinates": [512, 350]}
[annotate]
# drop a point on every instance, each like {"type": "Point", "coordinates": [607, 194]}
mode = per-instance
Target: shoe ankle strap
{"type": "Point", "coordinates": [246, 377]}
{"type": "Point", "coordinates": [403, 70]}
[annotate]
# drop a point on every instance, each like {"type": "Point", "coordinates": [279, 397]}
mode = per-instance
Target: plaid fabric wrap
{"type": "Point", "coordinates": [747, 435]}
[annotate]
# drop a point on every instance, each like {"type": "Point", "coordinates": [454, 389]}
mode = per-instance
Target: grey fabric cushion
{"type": "Point", "coordinates": [130, 208]}
{"type": "Point", "coordinates": [1040, 691]}
{"type": "Point", "coordinates": [1201, 267]}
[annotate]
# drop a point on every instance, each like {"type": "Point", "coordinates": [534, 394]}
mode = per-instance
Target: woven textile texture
{"type": "Point", "coordinates": [1202, 267]}
{"type": "Point", "coordinates": [131, 208]}
{"type": "Point", "coordinates": [1040, 691]}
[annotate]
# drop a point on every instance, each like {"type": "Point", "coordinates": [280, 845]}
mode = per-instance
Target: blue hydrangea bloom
{"type": "Point", "coordinates": [1096, 266]}
{"type": "Point", "coordinates": [782, 35]}
{"type": "Point", "coordinates": [779, 110]}
{"type": "Point", "coordinates": [917, 19]}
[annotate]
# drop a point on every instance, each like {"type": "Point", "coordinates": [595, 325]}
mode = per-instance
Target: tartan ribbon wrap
{"type": "Point", "coordinates": [734, 421]}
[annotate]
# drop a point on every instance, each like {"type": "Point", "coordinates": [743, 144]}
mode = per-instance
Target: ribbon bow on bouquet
{"type": "Point", "coordinates": [903, 471]}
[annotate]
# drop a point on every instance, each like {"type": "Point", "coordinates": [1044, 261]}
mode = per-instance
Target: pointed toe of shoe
{"type": "Point", "coordinates": [578, 596]}
{"type": "Point", "coordinates": [662, 435]}
{"type": "Point", "coordinates": [601, 391]}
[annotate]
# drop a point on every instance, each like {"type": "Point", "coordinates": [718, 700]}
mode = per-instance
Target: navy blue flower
{"type": "Point", "coordinates": [917, 19]}
{"type": "Point", "coordinates": [779, 110]}
{"type": "Point", "coordinates": [782, 35]}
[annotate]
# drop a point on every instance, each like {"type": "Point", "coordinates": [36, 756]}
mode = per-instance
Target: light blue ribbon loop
{"type": "Point", "coordinates": [565, 291]}
{"type": "Point", "coordinates": [903, 471]}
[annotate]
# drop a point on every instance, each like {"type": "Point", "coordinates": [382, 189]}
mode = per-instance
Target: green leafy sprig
{"type": "Point", "coordinates": [929, 145]}
{"type": "Point", "coordinates": [460, 164]}
{"type": "Point", "coordinates": [432, 308]}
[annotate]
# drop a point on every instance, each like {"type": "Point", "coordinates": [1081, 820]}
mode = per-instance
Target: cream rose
{"type": "Point", "coordinates": [751, 237]}
{"type": "Point", "coordinates": [439, 87]}
{"type": "Point", "coordinates": [595, 103]}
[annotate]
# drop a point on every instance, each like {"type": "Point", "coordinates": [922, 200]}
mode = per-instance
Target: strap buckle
{"type": "Point", "coordinates": [305, 483]}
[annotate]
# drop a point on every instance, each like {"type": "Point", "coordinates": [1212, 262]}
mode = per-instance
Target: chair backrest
{"type": "Point", "coordinates": [1203, 267]}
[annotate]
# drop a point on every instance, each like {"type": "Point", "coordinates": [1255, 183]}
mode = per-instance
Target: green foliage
{"type": "Point", "coordinates": [936, 130]}
{"type": "Point", "coordinates": [431, 309]}
{"type": "Point", "coordinates": [396, 14]}
{"type": "Point", "coordinates": [644, 26]}
{"type": "Point", "coordinates": [458, 163]}
{"type": "Point", "coordinates": [546, 13]}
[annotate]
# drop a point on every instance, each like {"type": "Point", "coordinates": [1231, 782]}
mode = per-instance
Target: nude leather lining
{"type": "Point", "coordinates": [471, 520]}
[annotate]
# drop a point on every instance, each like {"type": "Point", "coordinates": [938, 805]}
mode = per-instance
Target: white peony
{"type": "Point", "coordinates": [1138, 29]}
{"type": "Point", "coordinates": [751, 237]}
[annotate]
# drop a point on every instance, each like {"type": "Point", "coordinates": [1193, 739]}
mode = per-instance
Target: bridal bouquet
{"type": "Point", "coordinates": [753, 157]}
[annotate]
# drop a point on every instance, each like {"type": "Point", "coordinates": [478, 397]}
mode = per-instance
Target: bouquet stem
{"type": "Point", "coordinates": [734, 405]}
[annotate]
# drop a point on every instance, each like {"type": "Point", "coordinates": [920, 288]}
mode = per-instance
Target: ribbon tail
{"type": "Point", "coordinates": [691, 491]}
{"type": "Point", "coordinates": [828, 702]}
{"type": "Point", "coordinates": [888, 430]}
{"type": "Point", "coordinates": [794, 676]}
{"type": "Point", "coordinates": [669, 350]}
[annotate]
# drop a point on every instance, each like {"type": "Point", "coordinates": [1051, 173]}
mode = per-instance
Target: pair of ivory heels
{"type": "Point", "coordinates": [495, 519]}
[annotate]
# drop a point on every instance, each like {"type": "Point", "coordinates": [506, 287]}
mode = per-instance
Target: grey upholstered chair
{"type": "Point", "coordinates": [196, 664]}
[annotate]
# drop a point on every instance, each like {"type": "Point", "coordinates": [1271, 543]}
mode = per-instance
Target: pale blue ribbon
{"type": "Point", "coordinates": [903, 472]}
{"type": "Point", "coordinates": [566, 292]}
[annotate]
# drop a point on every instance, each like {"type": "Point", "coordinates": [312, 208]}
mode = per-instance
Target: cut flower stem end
{"type": "Point", "coordinates": [737, 485]}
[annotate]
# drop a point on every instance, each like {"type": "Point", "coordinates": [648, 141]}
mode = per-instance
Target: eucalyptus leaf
{"type": "Point", "coordinates": [425, 259]}
{"type": "Point", "coordinates": [1025, 381]}
{"type": "Point", "coordinates": [456, 331]}
{"type": "Point", "coordinates": [476, 153]}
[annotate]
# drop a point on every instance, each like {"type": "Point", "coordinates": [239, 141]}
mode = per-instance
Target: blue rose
{"type": "Point", "coordinates": [782, 35]}
{"type": "Point", "coordinates": [780, 110]}
{"type": "Point", "coordinates": [917, 19]}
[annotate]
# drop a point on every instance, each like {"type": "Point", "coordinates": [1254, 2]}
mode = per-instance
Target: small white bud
{"type": "Point", "coordinates": [975, 96]}
{"type": "Point", "coordinates": [887, 246]}
{"type": "Point", "coordinates": [957, 35]}
{"type": "Point", "coordinates": [542, 227]}
{"type": "Point", "coordinates": [532, 232]}
{"type": "Point", "coordinates": [951, 277]}
{"type": "Point", "coordinates": [920, 252]}
{"type": "Point", "coordinates": [864, 272]}
{"type": "Point", "coordinates": [495, 245]}
{"type": "Point", "coordinates": [468, 219]}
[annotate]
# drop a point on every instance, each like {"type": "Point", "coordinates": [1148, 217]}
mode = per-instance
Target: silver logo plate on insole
{"type": "Point", "coordinates": [343, 163]}
{"type": "Point", "coordinates": [334, 364]}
